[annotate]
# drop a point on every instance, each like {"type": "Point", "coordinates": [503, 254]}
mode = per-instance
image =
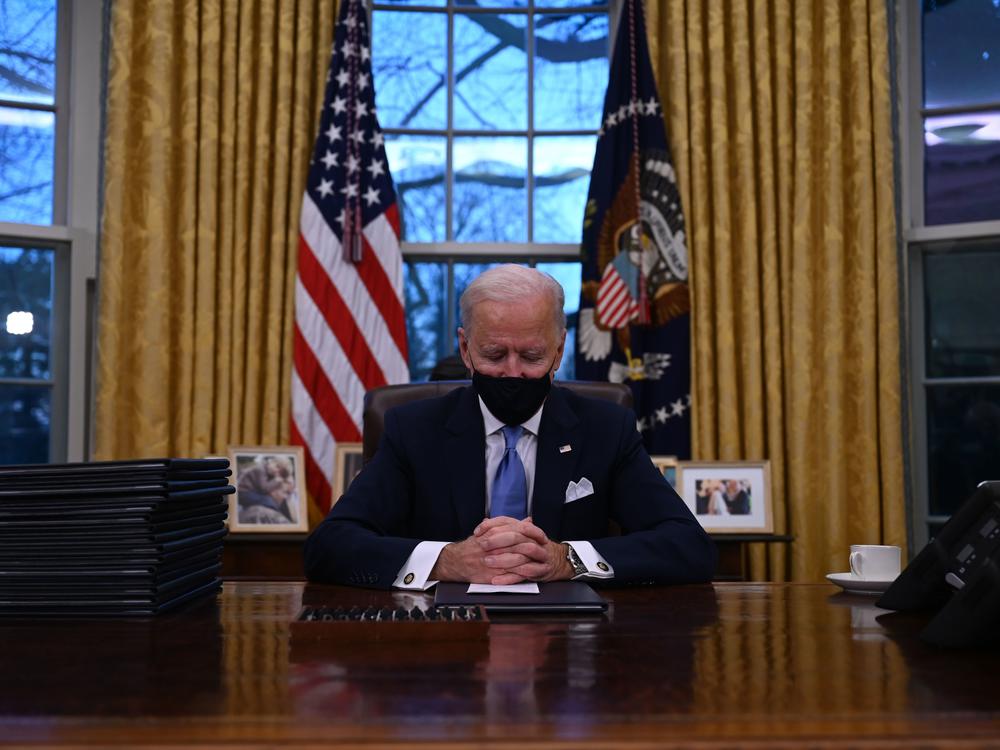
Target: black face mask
{"type": "Point", "coordinates": [511, 400]}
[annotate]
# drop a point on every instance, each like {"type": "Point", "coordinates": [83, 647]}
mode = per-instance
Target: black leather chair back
{"type": "Point", "coordinates": [379, 400]}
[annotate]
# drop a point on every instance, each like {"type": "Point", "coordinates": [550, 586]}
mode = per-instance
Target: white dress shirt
{"type": "Point", "coordinates": [420, 563]}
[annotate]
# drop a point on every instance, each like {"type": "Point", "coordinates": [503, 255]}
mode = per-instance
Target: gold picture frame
{"type": "Point", "coordinates": [270, 495]}
{"type": "Point", "coordinates": [347, 464]}
{"type": "Point", "coordinates": [728, 497]}
{"type": "Point", "coordinates": [667, 466]}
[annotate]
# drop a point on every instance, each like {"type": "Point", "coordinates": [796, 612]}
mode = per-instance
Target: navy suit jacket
{"type": "Point", "coordinates": [427, 481]}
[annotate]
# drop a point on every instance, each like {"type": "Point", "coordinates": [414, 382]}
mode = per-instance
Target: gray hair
{"type": "Point", "coordinates": [513, 283]}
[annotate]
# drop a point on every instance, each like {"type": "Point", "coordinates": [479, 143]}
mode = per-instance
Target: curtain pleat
{"type": "Point", "coordinates": [778, 114]}
{"type": "Point", "coordinates": [211, 116]}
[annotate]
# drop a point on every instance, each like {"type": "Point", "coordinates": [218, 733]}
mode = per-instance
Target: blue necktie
{"type": "Point", "coordinates": [510, 487]}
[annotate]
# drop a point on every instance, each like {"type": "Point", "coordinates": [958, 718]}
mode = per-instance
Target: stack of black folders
{"type": "Point", "coordinates": [111, 538]}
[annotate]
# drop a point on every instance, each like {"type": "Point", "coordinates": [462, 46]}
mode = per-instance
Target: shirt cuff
{"type": "Point", "coordinates": [418, 566]}
{"type": "Point", "coordinates": [597, 566]}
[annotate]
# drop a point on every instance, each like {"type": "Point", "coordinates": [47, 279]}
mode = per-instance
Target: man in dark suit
{"type": "Point", "coordinates": [479, 485]}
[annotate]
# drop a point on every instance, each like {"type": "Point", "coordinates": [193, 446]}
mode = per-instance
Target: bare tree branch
{"type": "Point", "coordinates": [462, 74]}
{"type": "Point", "coordinates": [25, 55]}
{"type": "Point", "coordinates": [23, 191]}
{"type": "Point", "coordinates": [472, 110]}
{"type": "Point", "coordinates": [574, 50]}
{"type": "Point", "coordinates": [509, 35]}
{"type": "Point", "coordinates": [24, 83]}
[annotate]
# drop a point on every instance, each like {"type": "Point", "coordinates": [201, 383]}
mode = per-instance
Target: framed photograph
{"type": "Point", "coordinates": [728, 497]}
{"type": "Point", "coordinates": [270, 489]}
{"type": "Point", "coordinates": [667, 465]}
{"type": "Point", "coordinates": [347, 465]}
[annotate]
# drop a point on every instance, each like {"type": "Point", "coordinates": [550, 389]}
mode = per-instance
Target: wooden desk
{"type": "Point", "coordinates": [280, 555]}
{"type": "Point", "coordinates": [263, 556]}
{"type": "Point", "coordinates": [722, 665]}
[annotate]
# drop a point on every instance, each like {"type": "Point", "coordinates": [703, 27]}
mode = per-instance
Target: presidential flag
{"type": "Point", "coordinates": [350, 332]}
{"type": "Point", "coordinates": [634, 306]}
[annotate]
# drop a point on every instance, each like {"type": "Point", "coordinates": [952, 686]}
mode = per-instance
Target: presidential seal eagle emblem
{"type": "Point", "coordinates": [643, 252]}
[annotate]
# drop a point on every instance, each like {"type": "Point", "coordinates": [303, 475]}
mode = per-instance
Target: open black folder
{"type": "Point", "coordinates": [556, 596]}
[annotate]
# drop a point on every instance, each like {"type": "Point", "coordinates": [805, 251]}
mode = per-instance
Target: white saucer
{"type": "Point", "coordinates": [850, 582]}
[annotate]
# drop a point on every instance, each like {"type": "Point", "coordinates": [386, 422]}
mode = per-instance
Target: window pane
{"type": "Point", "coordinates": [562, 177]}
{"type": "Point", "coordinates": [425, 287]}
{"type": "Point", "coordinates": [568, 275]}
{"type": "Point", "coordinates": [409, 66]}
{"type": "Point", "coordinates": [491, 72]}
{"type": "Point", "coordinates": [962, 315]}
{"type": "Point", "coordinates": [26, 278]}
{"type": "Point", "coordinates": [963, 442]}
{"type": "Point", "coordinates": [494, 3]}
{"type": "Point", "coordinates": [417, 163]}
{"type": "Point", "coordinates": [571, 70]}
{"type": "Point", "coordinates": [490, 200]}
{"type": "Point", "coordinates": [961, 52]}
{"type": "Point", "coordinates": [465, 273]}
{"type": "Point", "coordinates": [571, 4]}
{"type": "Point", "coordinates": [27, 142]}
{"type": "Point", "coordinates": [24, 424]}
{"type": "Point", "coordinates": [567, 370]}
{"type": "Point", "coordinates": [433, 3]}
{"type": "Point", "coordinates": [28, 51]}
{"type": "Point", "coordinates": [962, 168]}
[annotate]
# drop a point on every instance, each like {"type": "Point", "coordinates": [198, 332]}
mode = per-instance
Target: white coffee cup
{"type": "Point", "coordinates": [875, 562]}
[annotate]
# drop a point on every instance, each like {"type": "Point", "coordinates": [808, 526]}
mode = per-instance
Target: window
{"type": "Point", "coordinates": [27, 364]}
{"type": "Point", "coordinates": [961, 111]}
{"type": "Point", "coordinates": [27, 109]}
{"type": "Point", "coordinates": [433, 286]}
{"type": "Point", "coordinates": [951, 228]}
{"type": "Point", "coordinates": [490, 111]}
{"type": "Point", "coordinates": [49, 57]}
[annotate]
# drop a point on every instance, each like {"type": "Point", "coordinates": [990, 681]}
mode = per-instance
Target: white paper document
{"type": "Point", "coordinates": [514, 588]}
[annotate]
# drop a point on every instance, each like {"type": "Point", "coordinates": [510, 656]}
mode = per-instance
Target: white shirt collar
{"type": "Point", "coordinates": [494, 425]}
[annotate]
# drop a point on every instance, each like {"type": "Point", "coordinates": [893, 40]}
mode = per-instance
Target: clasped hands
{"type": "Point", "coordinates": [502, 551]}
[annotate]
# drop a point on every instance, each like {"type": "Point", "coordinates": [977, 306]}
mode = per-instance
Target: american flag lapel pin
{"type": "Point", "coordinates": [565, 448]}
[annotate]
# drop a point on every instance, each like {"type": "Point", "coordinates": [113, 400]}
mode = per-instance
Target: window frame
{"type": "Point", "coordinates": [452, 252]}
{"type": "Point", "coordinates": [57, 382]}
{"type": "Point", "coordinates": [450, 260]}
{"type": "Point", "coordinates": [449, 246]}
{"type": "Point", "coordinates": [80, 33]}
{"type": "Point", "coordinates": [917, 239]}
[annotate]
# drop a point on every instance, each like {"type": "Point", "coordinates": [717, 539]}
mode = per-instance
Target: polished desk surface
{"type": "Point", "coordinates": [715, 665]}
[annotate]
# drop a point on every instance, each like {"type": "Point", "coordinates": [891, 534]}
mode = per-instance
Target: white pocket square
{"type": "Point", "coordinates": [576, 490]}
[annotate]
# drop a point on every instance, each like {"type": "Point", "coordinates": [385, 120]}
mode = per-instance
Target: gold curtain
{"type": "Point", "coordinates": [779, 117]}
{"type": "Point", "coordinates": [212, 107]}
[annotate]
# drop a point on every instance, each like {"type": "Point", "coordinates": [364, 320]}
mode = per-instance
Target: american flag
{"type": "Point", "coordinates": [616, 305]}
{"type": "Point", "coordinates": [350, 332]}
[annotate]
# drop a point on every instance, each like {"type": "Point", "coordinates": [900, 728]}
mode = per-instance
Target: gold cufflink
{"type": "Point", "coordinates": [408, 579]}
{"type": "Point", "coordinates": [603, 566]}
